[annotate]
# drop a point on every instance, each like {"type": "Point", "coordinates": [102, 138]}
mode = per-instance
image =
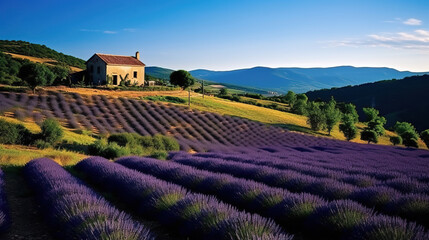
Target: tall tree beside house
{"type": "Point", "coordinates": [184, 80]}
{"type": "Point", "coordinates": [36, 74]}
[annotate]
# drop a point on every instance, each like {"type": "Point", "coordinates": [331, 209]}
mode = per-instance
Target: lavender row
{"type": "Point", "coordinates": [5, 220]}
{"type": "Point", "coordinates": [191, 215]}
{"type": "Point", "coordinates": [360, 179]}
{"type": "Point", "coordinates": [414, 207]}
{"type": "Point", "coordinates": [75, 211]}
{"type": "Point", "coordinates": [296, 212]}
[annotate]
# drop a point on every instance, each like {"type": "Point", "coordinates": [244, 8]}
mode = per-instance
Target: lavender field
{"type": "Point", "coordinates": [233, 179]}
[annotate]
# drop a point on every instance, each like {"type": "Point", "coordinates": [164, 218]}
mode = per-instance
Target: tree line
{"type": "Point", "coordinates": [22, 72]}
{"type": "Point", "coordinates": [325, 115]}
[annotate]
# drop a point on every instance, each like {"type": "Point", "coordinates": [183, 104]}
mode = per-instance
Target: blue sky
{"type": "Point", "coordinates": [230, 34]}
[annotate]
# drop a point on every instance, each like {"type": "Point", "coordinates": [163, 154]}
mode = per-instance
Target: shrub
{"type": "Point", "coordinates": [369, 135]}
{"type": "Point", "coordinates": [123, 139]}
{"type": "Point", "coordinates": [396, 140]}
{"type": "Point", "coordinates": [409, 139]}
{"type": "Point", "coordinates": [51, 131]}
{"type": "Point", "coordinates": [425, 137]}
{"type": "Point", "coordinates": [11, 133]}
{"type": "Point", "coordinates": [170, 144]}
{"type": "Point", "coordinates": [113, 150]}
{"type": "Point", "coordinates": [40, 144]}
{"type": "Point", "coordinates": [162, 155]}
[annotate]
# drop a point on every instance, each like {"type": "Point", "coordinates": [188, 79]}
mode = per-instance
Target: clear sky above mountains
{"type": "Point", "coordinates": [230, 34]}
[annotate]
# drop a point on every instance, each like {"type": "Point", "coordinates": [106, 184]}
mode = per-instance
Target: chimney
{"type": "Point", "coordinates": [137, 55]}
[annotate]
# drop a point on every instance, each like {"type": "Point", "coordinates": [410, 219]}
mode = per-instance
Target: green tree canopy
{"type": "Point", "coordinates": [370, 113]}
{"type": "Point", "coordinates": [36, 74]}
{"type": "Point", "coordinates": [396, 140]}
{"type": "Point", "coordinates": [348, 126]}
{"type": "Point", "coordinates": [350, 110]}
{"type": "Point", "coordinates": [51, 131]}
{"type": "Point", "coordinates": [369, 135]}
{"type": "Point", "coordinates": [290, 98]}
{"type": "Point", "coordinates": [182, 78]}
{"type": "Point", "coordinates": [403, 127]}
{"type": "Point", "coordinates": [332, 115]}
{"type": "Point", "coordinates": [223, 91]}
{"type": "Point", "coordinates": [316, 117]}
{"type": "Point", "coordinates": [425, 137]}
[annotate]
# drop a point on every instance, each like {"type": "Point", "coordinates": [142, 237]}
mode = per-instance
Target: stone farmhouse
{"type": "Point", "coordinates": [115, 68]}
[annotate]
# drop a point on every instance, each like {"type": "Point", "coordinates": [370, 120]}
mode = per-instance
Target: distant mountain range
{"type": "Point", "coordinates": [397, 100]}
{"type": "Point", "coordinates": [301, 79]}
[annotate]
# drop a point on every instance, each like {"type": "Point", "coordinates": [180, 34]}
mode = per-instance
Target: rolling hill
{"type": "Point", "coordinates": [300, 79]}
{"type": "Point", "coordinates": [39, 51]}
{"type": "Point", "coordinates": [397, 100]}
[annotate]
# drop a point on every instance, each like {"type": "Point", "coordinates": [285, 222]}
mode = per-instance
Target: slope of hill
{"type": "Point", "coordinates": [39, 51]}
{"type": "Point", "coordinates": [164, 74]}
{"type": "Point", "coordinates": [397, 100]}
{"type": "Point", "coordinates": [300, 79]}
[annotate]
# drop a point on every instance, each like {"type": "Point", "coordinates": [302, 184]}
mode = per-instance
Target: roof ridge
{"type": "Point", "coordinates": [113, 55]}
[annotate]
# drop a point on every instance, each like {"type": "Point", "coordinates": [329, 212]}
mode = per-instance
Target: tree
{"type": "Point", "coordinates": [408, 134]}
{"type": "Point", "coordinates": [332, 115]}
{"type": "Point", "coordinates": [377, 125]}
{"type": "Point", "coordinates": [396, 140]}
{"type": "Point", "coordinates": [62, 74]}
{"type": "Point", "coordinates": [299, 107]}
{"type": "Point", "coordinates": [36, 74]}
{"type": "Point", "coordinates": [290, 98]}
{"type": "Point", "coordinates": [51, 131]}
{"type": "Point", "coordinates": [402, 127]}
{"type": "Point", "coordinates": [425, 137]}
{"type": "Point", "coordinates": [369, 135]}
{"type": "Point", "coordinates": [350, 109]}
{"type": "Point", "coordinates": [348, 126]}
{"type": "Point", "coordinates": [223, 91]}
{"type": "Point", "coordinates": [316, 118]}
{"type": "Point", "coordinates": [183, 79]}
{"type": "Point", "coordinates": [409, 139]}
{"type": "Point", "coordinates": [370, 113]}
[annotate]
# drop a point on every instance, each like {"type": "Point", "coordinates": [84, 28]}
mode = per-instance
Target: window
{"type": "Point", "coordinates": [98, 69]}
{"type": "Point", "coordinates": [91, 68]}
{"type": "Point", "coordinates": [135, 74]}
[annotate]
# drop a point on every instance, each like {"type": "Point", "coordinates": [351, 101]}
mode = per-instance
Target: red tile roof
{"type": "Point", "coordinates": [120, 60]}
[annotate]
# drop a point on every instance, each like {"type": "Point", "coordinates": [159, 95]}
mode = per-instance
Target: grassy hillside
{"type": "Point", "coordinates": [19, 155]}
{"type": "Point", "coordinates": [397, 100]}
{"type": "Point", "coordinates": [39, 51]}
{"type": "Point", "coordinates": [273, 117]}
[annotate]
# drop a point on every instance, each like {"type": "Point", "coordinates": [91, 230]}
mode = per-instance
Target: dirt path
{"type": "Point", "coordinates": [27, 221]}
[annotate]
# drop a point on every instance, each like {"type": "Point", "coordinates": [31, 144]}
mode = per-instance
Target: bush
{"type": "Point", "coordinates": [122, 144]}
{"type": "Point", "coordinates": [51, 131]}
{"type": "Point", "coordinates": [40, 144]}
{"type": "Point", "coordinates": [369, 135]}
{"type": "Point", "coordinates": [396, 140]}
{"type": "Point", "coordinates": [425, 137]}
{"type": "Point", "coordinates": [409, 139]}
{"type": "Point", "coordinates": [162, 155]}
{"type": "Point", "coordinates": [123, 139]}
{"type": "Point", "coordinates": [11, 133]}
{"type": "Point", "coordinates": [170, 144]}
